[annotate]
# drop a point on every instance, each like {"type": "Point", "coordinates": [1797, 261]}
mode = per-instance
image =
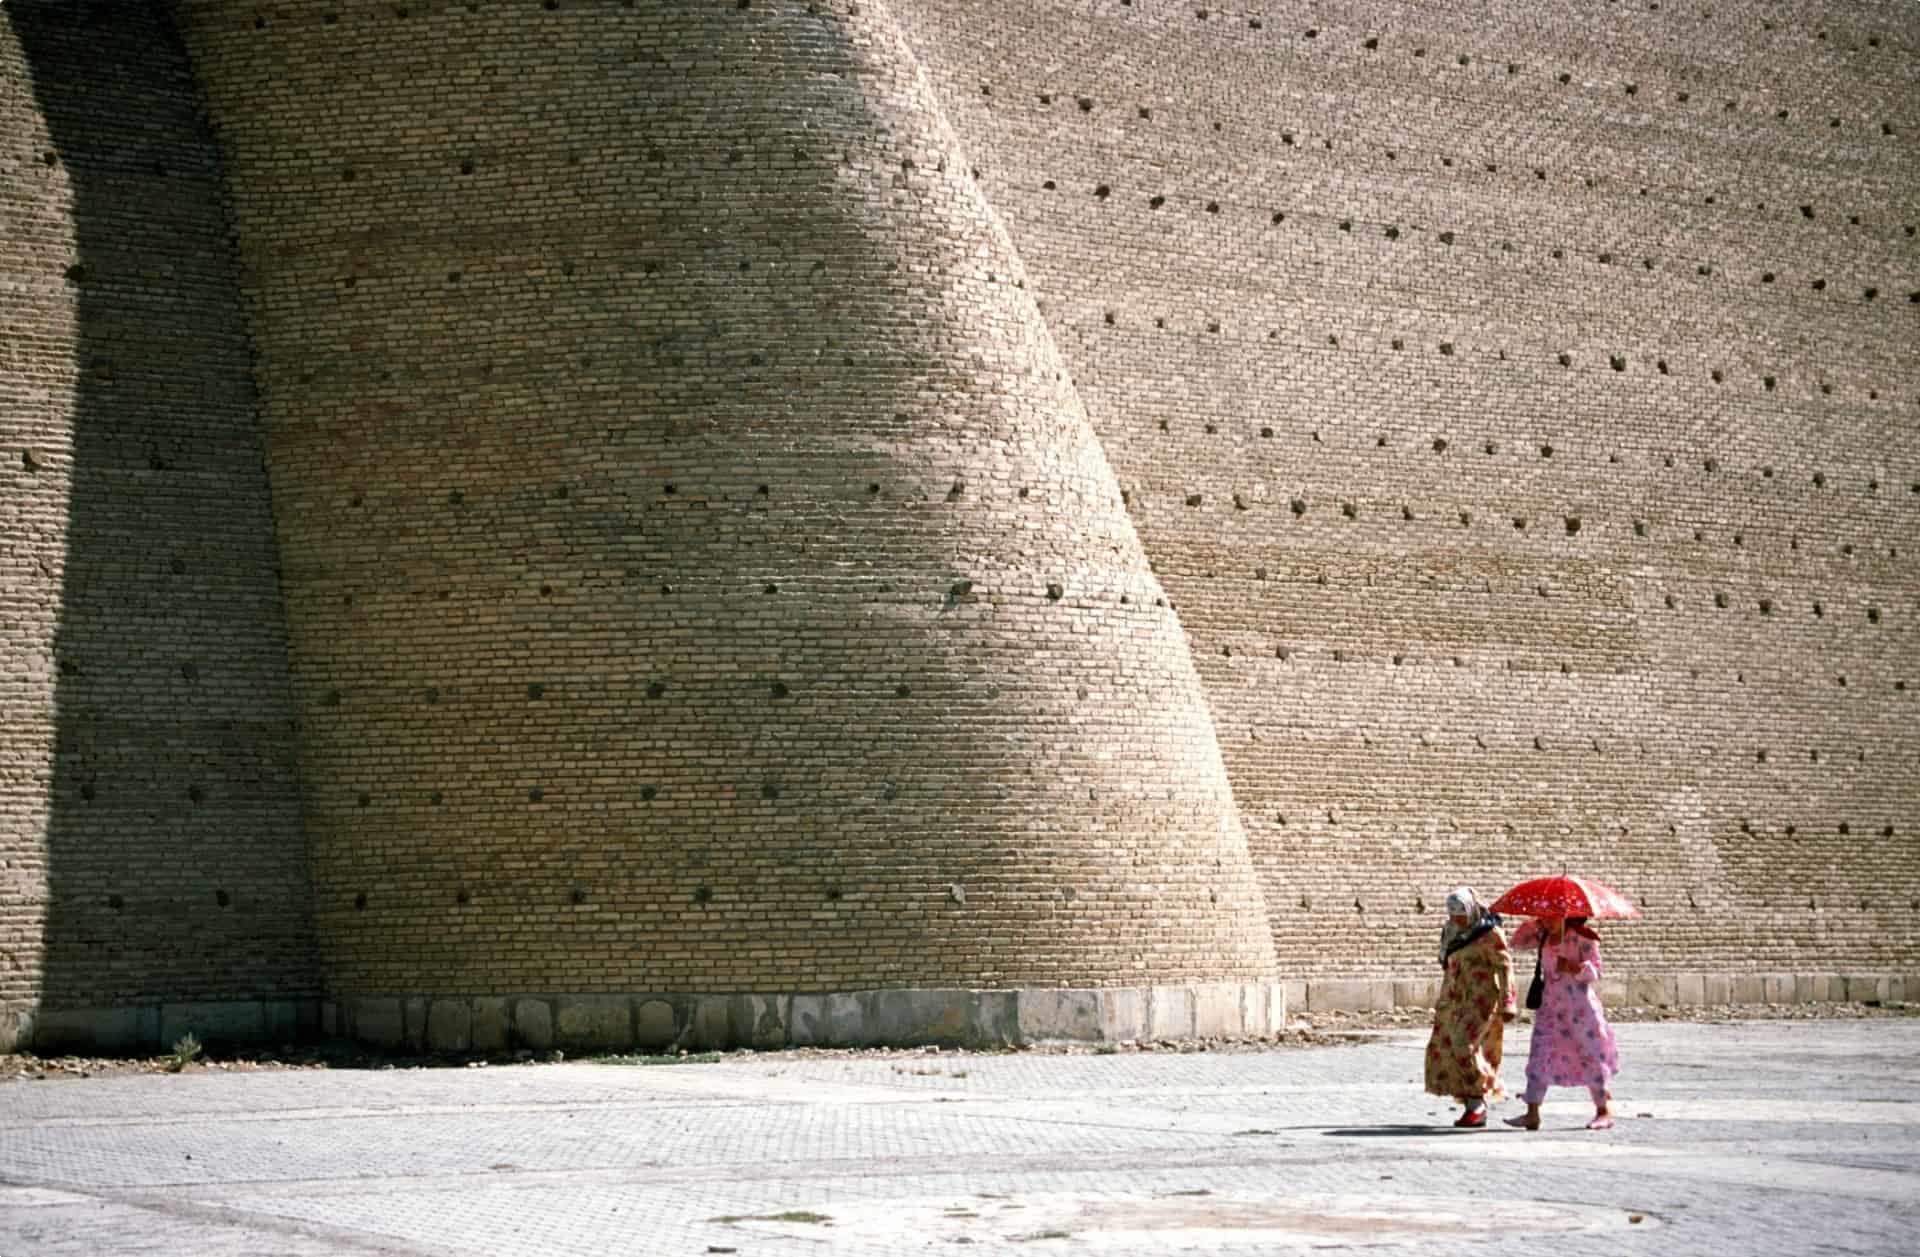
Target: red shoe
{"type": "Point", "coordinates": [1473, 1117]}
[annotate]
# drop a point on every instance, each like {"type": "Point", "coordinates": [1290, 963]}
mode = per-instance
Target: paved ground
{"type": "Point", "coordinates": [1750, 1138]}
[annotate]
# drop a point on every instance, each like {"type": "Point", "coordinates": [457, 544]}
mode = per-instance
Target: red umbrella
{"type": "Point", "coordinates": [1565, 897]}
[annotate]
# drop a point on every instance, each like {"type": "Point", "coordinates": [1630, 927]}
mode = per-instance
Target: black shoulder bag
{"type": "Point", "coordinates": [1538, 988]}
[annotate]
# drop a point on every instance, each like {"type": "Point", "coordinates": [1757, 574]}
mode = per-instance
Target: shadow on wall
{"type": "Point", "coordinates": [176, 883]}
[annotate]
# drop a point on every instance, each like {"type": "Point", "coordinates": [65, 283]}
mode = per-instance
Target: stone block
{"type": "Point", "coordinates": [593, 1023]}
{"type": "Point", "coordinates": [1169, 1012]}
{"type": "Point", "coordinates": [1279, 1006]}
{"type": "Point", "coordinates": [491, 1024]}
{"type": "Point", "coordinates": [1651, 991]}
{"type": "Point", "coordinates": [213, 1024]}
{"type": "Point", "coordinates": [97, 1030]}
{"type": "Point", "coordinates": [759, 1021]}
{"type": "Point", "coordinates": [1690, 989]}
{"type": "Point", "coordinates": [533, 1023]}
{"type": "Point", "coordinates": [1065, 1013]}
{"type": "Point", "coordinates": [1123, 1013]}
{"type": "Point", "coordinates": [1807, 988]}
{"type": "Point", "coordinates": [1718, 988]}
{"type": "Point", "coordinates": [835, 1020]}
{"type": "Point", "coordinates": [1612, 991]}
{"type": "Point", "coordinates": [1295, 999]}
{"type": "Point", "coordinates": [377, 1020]}
{"type": "Point", "coordinates": [16, 1026]}
{"type": "Point", "coordinates": [1862, 987]}
{"type": "Point", "coordinates": [656, 1027]}
{"type": "Point", "coordinates": [414, 1008]}
{"type": "Point", "coordinates": [710, 1023]}
{"type": "Point", "coordinates": [1219, 1010]}
{"type": "Point", "coordinates": [1779, 987]}
{"type": "Point", "coordinates": [1416, 992]}
{"type": "Point", "coordinates": [1748, 988]}
{"type": "Point", "coordinates": [924, 1016]}
{"type": "Point", "coordinates": [450, 1025]}
{"type": "Point", "coordinates": [1349, 995]}
{"type": "Point", "coordinates": [994, 1018]}
{"type": "Point", "coordinates": [331, 1023]}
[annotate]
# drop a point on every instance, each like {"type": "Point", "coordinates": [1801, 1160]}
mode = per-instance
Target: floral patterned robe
{"type": "Point", "coordinates": [1572, 1045]}
{"type": "Point", "coordinates": [1469, 1020]}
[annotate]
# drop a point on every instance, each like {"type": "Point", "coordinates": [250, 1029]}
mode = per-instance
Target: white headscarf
{"type": "Point", "coordinates": [1461, 902]}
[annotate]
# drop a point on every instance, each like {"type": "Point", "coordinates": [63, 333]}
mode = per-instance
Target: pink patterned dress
{"type": "Point", "coordinates": [1572, 1045]}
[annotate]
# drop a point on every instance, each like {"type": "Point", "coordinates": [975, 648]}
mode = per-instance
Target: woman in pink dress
{"type": "Point", "coordinates": [1572, 1046]}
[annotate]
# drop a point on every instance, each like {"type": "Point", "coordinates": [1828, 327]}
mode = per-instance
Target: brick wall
{"type": "Point", "coordinates": [150, 844]}
{"type": "Point", "coordinates": [1520, 405]}
{"type": "Point", "coordinates": [699, 569]}
{"type": "Point", "coordinates": [805, 496]}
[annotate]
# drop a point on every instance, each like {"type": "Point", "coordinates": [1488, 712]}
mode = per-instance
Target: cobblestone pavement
{"type": "Point", "coordinates": [1750, 1138]}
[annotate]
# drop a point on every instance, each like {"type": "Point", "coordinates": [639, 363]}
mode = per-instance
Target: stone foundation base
{"type": "Point", "coordinates": [148, 1028]}
{"type": "Point", "coordinates": [1669, 990]}
{"type": "Point", "coordinates": [896, 1018]}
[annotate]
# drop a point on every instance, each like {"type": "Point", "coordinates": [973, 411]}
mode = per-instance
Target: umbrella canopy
{"type": "Point", "coordinates": [1565, 897]}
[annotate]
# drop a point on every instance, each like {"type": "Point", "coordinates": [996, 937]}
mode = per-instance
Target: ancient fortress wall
{"type": "Point", "coordinates": [700, 573]}
{"type": "Point", "coordinates": [1109, 503]}
{"type": "Point", "coordinates": [152, 866]}
{"type": "Point", "coordinates": [1520, 403]}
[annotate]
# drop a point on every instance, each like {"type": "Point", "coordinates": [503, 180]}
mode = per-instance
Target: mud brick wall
{"type": "Point", "coordinates": [150, 840]}
{"type": "Point", "coordinates": [1520, 404]}
{"type": "Point", "coordinates": [699, 570]}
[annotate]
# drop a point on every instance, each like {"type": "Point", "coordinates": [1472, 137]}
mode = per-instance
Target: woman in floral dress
{"type": "Point", "coordinates": [1573, 1046]}
{"type": "Point", "coordinates": [1476, 1002]}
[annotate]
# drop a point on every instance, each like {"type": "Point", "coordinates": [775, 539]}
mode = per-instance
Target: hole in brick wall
{"type": "Point", "coordinates": [1617, 363]}
{"type": "Point", "coordinates": [1766, 277]}
{"type": "Point", "coordinates": [1446, 237]}
{"type": "Point", "coordinates": [1086, 104]}
{"type": "Point", "coordinates": [1103, 192]}
{"type": "Point", "coordinates": [1546, 451]}
{"type": "Point", "coordinates": [1573, 525]}
{"type": "Point", "coordinates": [1193, 499]}
{"type": "Point", "coordinates": [703, 894]}
{"type": "Point", "coordinates": [1268, 433]}
{"type": "Point", "coordinates": [769, 791]}
{"type": "Point", "coordinates": [1298, 506]}
{"type": "Point", "coordinates": [1446, 348]}
{"type": "Point", "coordinates": [1717, 375]}
{"type": "Point", "coordinates": [1566, 359]}
{"type": "Point", "coordinates": [1520, 523]}
{"type": "Point", "coordinates": [656, 688]}
{"type": "Point", "coordinates": [1350, 510]}
{"type": "Point", "coordinates": [1466, 518]}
